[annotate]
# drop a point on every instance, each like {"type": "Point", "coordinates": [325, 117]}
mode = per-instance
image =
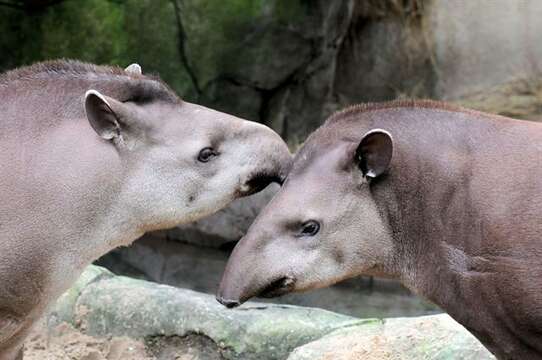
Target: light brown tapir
{"type": "Point", "coordinates": [91, 158]}
{"type": "Point", "coordinates": [447, 200]}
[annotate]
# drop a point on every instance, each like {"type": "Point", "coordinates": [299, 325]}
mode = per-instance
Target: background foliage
{"type": "Point", "coordinates": [100, 31]}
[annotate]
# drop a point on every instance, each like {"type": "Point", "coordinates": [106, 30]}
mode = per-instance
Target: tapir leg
{"type": "Point", "coordinates": [14, 354]}
{"type": "Point", "coordinates": [22, 296]}
{"type": "Point", "coordinates": [11, 332]}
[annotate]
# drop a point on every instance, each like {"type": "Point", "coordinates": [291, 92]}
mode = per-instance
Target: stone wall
{"type": "Point", "coordinates": [290, 64]}
{"type": "Point", "coordinates": [480, 44]}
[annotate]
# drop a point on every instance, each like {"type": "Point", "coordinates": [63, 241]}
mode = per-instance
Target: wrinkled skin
{"type": "Point", "coordinates": [444, 199]}
{"type": "Point", "coordinates": [92, 158]}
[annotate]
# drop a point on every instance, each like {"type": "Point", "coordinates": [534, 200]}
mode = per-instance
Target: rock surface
{"type": "Point", "coordinates": [481, 44]}
{"type": "Point", "coordinates": [174, 322]}
{"type": "Point", "coordinates": [120, 306]}
{"type": "Point", "coordinates": [276, 58]}
{"type": "Point", "coordinates": [436, 337]}
{"type": "Point", "coordinates": [290, 64]}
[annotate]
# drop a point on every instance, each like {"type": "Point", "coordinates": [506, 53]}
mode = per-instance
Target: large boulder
{"type": "Point", "coordinates": [386, 53]}
{"type": "Point", "coordinates": [270, 61]}
{"type": "Point", "coordinates": [106, 305]}
{"type": "Point", "coordinates": [170, 322]}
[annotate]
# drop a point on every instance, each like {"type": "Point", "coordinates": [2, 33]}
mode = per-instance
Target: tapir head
{"type": "Point", "coordinates": [322, 226]}
{"type": "Point", "coordinates": [182, 161]}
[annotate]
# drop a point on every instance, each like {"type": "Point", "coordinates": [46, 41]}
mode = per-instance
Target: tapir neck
{"type": "Point", "coordinates": [464, 212]}
{"type": "Point", "coordinates": [431, 195]}
{"type": "Point", "coordinates": [95, 194]}
{"type": "Point", "coordinates": [426, 195]}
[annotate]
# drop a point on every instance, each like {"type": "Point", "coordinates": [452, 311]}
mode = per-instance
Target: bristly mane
{"type": "Point", "coordinates": [336, 126]}
{"type": "Point", "coordinates": [71, 68]}
{"type": "Point", "coordinates": [395, 104]}
{"type": "Point", "coordinates": [143, 87]}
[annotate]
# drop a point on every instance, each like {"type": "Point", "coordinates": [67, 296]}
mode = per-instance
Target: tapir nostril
{"type": "Point", "coordinates": [228, 303]}
{"type": "Point", "coordinates": [258, 182]}
{"type": "Point", "coordinates": [278, 287]}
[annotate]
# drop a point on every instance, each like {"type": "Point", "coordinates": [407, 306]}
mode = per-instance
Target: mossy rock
{"type": "Point", "coordinates": [103, 305]}
{"type": "Point", "coordinates": [64, 308]}
{"type": "Point", "coordinates": [122, 306]}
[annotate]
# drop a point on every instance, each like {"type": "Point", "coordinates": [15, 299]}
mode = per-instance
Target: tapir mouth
{"type": "Point", "coordinates": [278, 287]}
{"type": "Point", "coordinates": [258, 182]}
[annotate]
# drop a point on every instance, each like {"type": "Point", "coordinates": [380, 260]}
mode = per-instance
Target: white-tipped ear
{"type": "Point", "coordinates": [101, 116]}
{"type": "Point", "coordinates": [96, 93]}
{"type": "Point", "coordinates": [134, 69]}
{"type": "Point", "coordinates": [374, 152]}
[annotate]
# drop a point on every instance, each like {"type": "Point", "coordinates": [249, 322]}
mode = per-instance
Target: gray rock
{"type": "Point", "coordinates": [170, 320]}
{"type": "Point", "coordinates": [64, 309]}
{"type": "Point", "coordinates": [436, 337]}
{"type": "Point", "coordinates": [169, 262]}
{"type": "Point", "coordinates": [387, 53]}
{"type": "Point", "coordinates": [264, 50]}
{"type": "Point", "coordinates": [123, 306]}
{"type": "Point", "coordinates": [290, 64]}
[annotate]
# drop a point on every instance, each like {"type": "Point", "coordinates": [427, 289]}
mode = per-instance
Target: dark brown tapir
{"type": "Point", "coordinates": [447, 200]}
{"type": "Point", "coordinates": [92, 157]}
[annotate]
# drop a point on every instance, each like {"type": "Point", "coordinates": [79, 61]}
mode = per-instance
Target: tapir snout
{"type": "Point", "coordinates": [271, 159]}
{"type": "Point", "coordinates": [248, 274]}
{"type": "Point", "coordinates": [237, 286]}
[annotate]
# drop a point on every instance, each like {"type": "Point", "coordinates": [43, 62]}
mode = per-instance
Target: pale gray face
{"type": "Point", "coordinates": [184, 161]}
{"type": "Point", "coordinates": [323, 225]}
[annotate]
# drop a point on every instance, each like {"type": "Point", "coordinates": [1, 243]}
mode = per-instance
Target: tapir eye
{"type": "Point", "coordinates": [310, 228]}
{"type": "Point", "coordinates": [206, 154]}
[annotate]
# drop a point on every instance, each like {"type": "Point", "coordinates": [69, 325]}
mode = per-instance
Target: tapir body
{"type": "Point", "coordinates": [447, 200]}
{"type": "Point", "coordinates": [91, 158]}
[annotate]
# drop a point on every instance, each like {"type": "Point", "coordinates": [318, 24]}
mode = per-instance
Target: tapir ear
{"type": "Point", "coordinates": [374, 152]}
{"type": "Point", "coordinates": [133, 69]}
{"type": "Point", "coordinates": [103, 115]}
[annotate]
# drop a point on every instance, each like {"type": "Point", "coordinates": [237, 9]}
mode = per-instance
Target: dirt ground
{"type": "Point", "coordinates": [67, 343]}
